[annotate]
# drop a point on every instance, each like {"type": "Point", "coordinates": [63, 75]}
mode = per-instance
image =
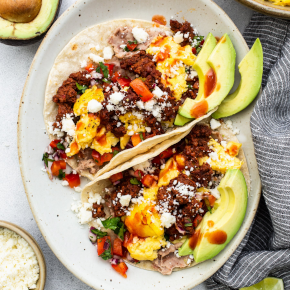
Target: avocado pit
{"type": "Point", "coordinates": [20, 11]}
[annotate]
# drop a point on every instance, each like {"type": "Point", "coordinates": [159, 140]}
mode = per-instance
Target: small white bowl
{"type": "Point", "coordinates": [33, 244]}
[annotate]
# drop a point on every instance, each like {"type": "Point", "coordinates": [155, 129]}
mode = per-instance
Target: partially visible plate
{"type": "Point", "coordinates": [267, 7]}
{"type": "Point", "coordinates": [50, 202]}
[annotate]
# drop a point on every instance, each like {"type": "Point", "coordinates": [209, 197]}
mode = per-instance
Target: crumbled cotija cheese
{"type": "Point", "coordinates": [19, 268]}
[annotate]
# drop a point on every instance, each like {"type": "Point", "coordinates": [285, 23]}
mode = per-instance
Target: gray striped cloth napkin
{"type": "Point", "coordinates": [265, 250]}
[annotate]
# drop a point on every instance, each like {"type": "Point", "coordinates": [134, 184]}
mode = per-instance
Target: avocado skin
{"type": "Point", "coordinates": [232, 187]}
{"type": "Point", "coordinates": [251, 70]}
{"type": "Point", "coordinates": [180, 120]}
{"type": "Point", "coordinates": [33, 39]}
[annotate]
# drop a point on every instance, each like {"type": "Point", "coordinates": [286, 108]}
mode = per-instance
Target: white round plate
{"type": "Point", "coordinates": [50, 202]}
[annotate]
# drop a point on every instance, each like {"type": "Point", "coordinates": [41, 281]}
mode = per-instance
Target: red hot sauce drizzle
{"type": "Point", "coordinates": [160, 19]}
{"type": "Point", "coordinates": [210, 82]}
{"type": "Point", "coordinates": [216, 237]}
{"type": "Point", "coordinates": [199, 109]}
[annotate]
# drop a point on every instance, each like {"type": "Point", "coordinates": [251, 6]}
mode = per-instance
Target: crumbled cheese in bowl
{"type": "Point", "coordinates": [19, 268]}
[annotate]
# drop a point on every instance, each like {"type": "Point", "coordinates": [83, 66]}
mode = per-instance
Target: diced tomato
{"type": "Point", "coordinates": [211, 200]}
{"type": "Point", "coordinates": [106, 157]}
{"type": "Point", "coordinates": [116, 177]}
{"type": "Point", "coordinates": [89, 67]}
{"type": "Point", "coordinates": [197, 220]}
{"type": "Point", "coordinates": [139, 174]}
{"type": "Point", "coordinates": [101, 243]}
{"type": "Point", "coordinates": [147, 180]}
{"type": "Point", "coordinates": [117, 247]}
{"type": "Point", "coordinates": [141, 90]}
{"type": "Point", "coordinates": [136, 139]}
{"type": "Point", "coordinates": [62, 155]}
{"type": "Point", "coordinates": [121, 268]}
{"type": "Point", "coordinates": [115, 77]}
{"type": "Point", "coordinates": [97, 157]}
{"type": "Point", "coordinates": [156, 160]}
{"type": "Point", "coordinates": [132, 46]}
{"type": "Point", "coordinates": [73, 180]}
{"type": "Point", "coordinates": [166, 153]}
{"type": "Point", "coordinates": [124, 82]}
{"type": "Point", "coordinates": [194, 50]}
{"type": "Point", "coordinates": [202, 42]}
{"type": "Point", "coordinates": [56, 166]}
{"type": "Point", "coordinates": [116, 149]}
{"type": "Point", "coordinates": [53, 143]}
{"type": "Point", "coordinates": [106, 86]}
{"type": "Point", "coordinates": [128, 239]}
{"type": "Point", "coordinates": [110, 67]}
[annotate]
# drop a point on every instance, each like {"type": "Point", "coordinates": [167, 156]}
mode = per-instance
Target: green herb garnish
{"type": "Point", "coordinates": [115, 225]}
{"type": "Point", "coordinates": [188, 225]}
{"type": "Point", "coordinates": [45, 158]}
{"type": "Point", "coordinates": [189, 86]}
{"type": "Point", "coordinates": [81, 89]}
{"type": "Point", "coordinates": [198, 49]}
{"type": "Point", "coordinates": [104, 69]}
{"type": "Point", "coordinates": [134, 181]}
{"type": "Point", "coordinates": [141, 136]}
{"type": "Point", "coordinates": [115, 152]}
{"type": "Point", "coordinates": [60, 146]}
{"type": "Point", "coordinates": [107, 254]}
{"type": "Point", "coordinates": [99, 233]}
{"type": "Point", "coordinates": [133, 42]}
{"type": "Point", "coordinates": [106, 81]}
{"type": "Point", "coordinates": [206, 201]}
{"type": "Point", "coordinates": [61, 174]}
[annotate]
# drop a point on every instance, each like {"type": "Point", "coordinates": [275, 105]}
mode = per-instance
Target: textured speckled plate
{"type": "Point", "coordinates": [50, 202]}
{"type": "Point", "coordinates": [267, 7]}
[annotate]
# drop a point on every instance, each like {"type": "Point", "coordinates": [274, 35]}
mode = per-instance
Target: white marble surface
{"type": "Point", "coordinates": [14, 66]}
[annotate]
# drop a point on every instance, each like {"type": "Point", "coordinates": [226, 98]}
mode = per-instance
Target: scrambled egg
{"type": "Point", "coordinates": [80, 107]}
{"type": "Point", "coordinates": [170, 171]}
{"type": "Point", "coordinates": [150, 193]}
{"type": "Point", "coordinates": [146, 249]}
{"type": "Point", "coordinates": [171, 60]}
{"type": "Point", "coordinates": [88, 134]}
{"type": "Point", "coordinates": [219, 159]}
{"type": "Point", "coordinates": [103, 142]}
{"type": "Point", "coordinates": [132, 123]}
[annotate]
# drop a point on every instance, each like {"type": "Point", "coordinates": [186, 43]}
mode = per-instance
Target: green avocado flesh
{"type": "Point", "coordinates": [251, 70]}
{"type": "Point", "coordinates": [218, 228]}
{"type": "Point", "coordinates": [11, 30]}
{"type": "Point", "coordinates": [200, 65]}
{"type": "Point", "coordinates": [180, 120]}
{"type": "Point", "coordinates": [222, 61]}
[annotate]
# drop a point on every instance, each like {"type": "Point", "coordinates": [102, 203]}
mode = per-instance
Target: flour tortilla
{"type": "Point", "coordinates": [102, 182]}
{"type": "Point", "coordinates": [68, 61]}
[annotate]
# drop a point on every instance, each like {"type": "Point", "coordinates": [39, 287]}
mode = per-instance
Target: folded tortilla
{"type": "Point", "coordinates": [102, 182]}
{"type": "Point", "coordinates": [69, 61]}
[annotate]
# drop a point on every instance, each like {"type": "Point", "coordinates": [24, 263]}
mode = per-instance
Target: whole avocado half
{"type": "Point", "coordinates": [19, 34]}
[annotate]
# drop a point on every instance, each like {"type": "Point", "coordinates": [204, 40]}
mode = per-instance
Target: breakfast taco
{"type": "Point", "coordinates": [176, 205]}
{"type": "Point", "coordinates": [119, 88]}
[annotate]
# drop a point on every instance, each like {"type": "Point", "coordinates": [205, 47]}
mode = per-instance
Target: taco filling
{"type": "Point", "coordinates": [129, 94]}
{"type": "Point", "coordinates": [157, 209]}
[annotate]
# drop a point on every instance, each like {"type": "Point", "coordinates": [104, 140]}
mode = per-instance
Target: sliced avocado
{"type": "Point", "coordinates": [251, 70]}
{"type": "Point", "coordinates": [200, 65]}
{"type": "Point", "coordinates": [217, 229]}
{"type": "Point", "coordinates": [180, 120]}
{"type": "Point", "coordinates": [11, 31]}
{"type": "Point", "coordinates": [222, 61]}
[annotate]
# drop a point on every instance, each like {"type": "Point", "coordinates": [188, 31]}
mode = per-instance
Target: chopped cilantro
{"type": "Point", "coordinates": [106, 81]}
{"type": "Point", "coordinates": [166, 236]}
{"type": "Point", "coordinates": [197, 40]}
{"type": "Point", "coordinates": [115, 225]}
{"type": "Point", "coordinates": [115, 152]}
{"type": "Point", "coordinates": [134, 181]}
{"type": "Point", "coordinates": [126, 49]}
{"type": "Point", "coordinates": [133, 42]}
{"type": "Point", "coordinates": [99, 233]}
{"type": "Point", "coordinates": [60, 146]}
{"type": "Point", "coordinates": [206, 201]}
{"type": "Point", "coordinates": [188, 225]}
{"type": "Point", "coordinates": [198, 49]}
{"type": "Point", "coordinates": [45, 158]}
{"type": "Point", "coordinates": [141, 136]}
{"type": "Point", "coordinates": [81, 89]}
{"type": "Point", "coordinates": [139, 173]}
{"type": "Point", "coordinates": [104, 70]}
{"type": "Point", "coordinates": [107, 254]}
{"type": "Point", "coordinates": [189, 86]}
{"type": "Point", "coordinates": [61, 174]}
